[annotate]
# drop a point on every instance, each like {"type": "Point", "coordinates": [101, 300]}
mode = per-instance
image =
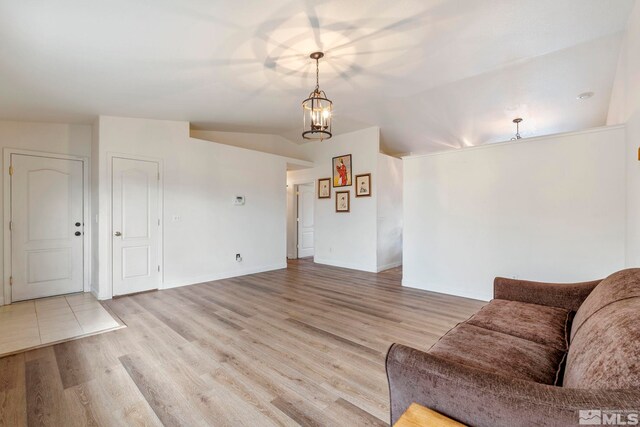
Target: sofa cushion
{"type": "Point", "coordinates": [537, 323]}
{"type": "Point", "coordinates": [605, 353]}
{"type": "Point", "coordinates": [499, 353]}
{"type": "Point", "coordinates": [621, 285]}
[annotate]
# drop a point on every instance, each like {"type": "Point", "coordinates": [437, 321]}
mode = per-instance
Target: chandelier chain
{"type": "Point", "coordinates": [317, 76]}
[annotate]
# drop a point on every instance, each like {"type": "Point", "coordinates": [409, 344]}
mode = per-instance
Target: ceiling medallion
{"type": "Point", "coordinates": [317, 110]}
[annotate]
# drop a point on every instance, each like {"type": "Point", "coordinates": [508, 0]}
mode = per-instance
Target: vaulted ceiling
{"type": "Point", "coordinates": [433, 74]}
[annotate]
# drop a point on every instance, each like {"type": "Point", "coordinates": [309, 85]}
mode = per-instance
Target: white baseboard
{"type": "Point", "coordinates": [99, 297]}
{"type": "Point", "coordinates": [389, 265]}
{"type": "Point", "coordinates": [446, 290]}
{"type": "Point", "coordinates": [341, 264]}
{"type": "Point", "coordinates": [220, 276]}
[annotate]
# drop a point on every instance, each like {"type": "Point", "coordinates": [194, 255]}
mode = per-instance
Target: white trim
{"type": "Point", "coordinates": [519, 141]}
{"type": "Point", "coordinates": [389, 265]}
{"type": "Point", "coordinates": [223, 275]}
{"type": "Point", "coordinates": [296, 215]}
{"type": "Point", "coordinates": [341, 264]}
{"type": "Point", "coordinates": [298, 163]}
{"type": "Point", "coordinates": [110, 156]}
{"type": "Point", "coordinates": [86, 192]}
{"type": "Point", "coordinates": [295, 184]}
{"type": "Point", "coordinates": [438, 289]}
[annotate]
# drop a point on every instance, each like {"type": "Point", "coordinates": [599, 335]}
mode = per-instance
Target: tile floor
{"type": "Point", "coordinates": [33, 323]}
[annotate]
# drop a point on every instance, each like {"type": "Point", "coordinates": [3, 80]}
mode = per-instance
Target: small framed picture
{"type": "Point", "coordinates": [324, 188]}
{"type": "Point", "coordinates": [342, 201]}
{"type": "Point", "coordinates": [363, 185]}
{"type": "Point", "coordinates": [342, 171]}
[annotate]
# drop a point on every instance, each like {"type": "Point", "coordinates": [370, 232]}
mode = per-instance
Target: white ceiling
{"type": "Point", "coordinates": [433, 74]}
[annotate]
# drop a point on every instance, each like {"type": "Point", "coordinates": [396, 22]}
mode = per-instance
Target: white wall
{"type": "Point", "coordinates": [389, 180]}
{"type": "Point", "coordinates": [200, 180]}
{"type": "Point", "coordinates": [550, 208]}
{"type": "Point", "coordinates": [44, 137]}
{"type": "Point", "coordinates": [266, 143]}
{"type": "Point", "coordinates": [344, 239]}
{"type": "Point", "coordinates": [95, 207]}
{"type": "Point", "coordinates": [625, 108]}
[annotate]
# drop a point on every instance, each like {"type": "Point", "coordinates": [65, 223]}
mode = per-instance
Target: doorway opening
{"type": "Point", "coordinates": [305, 220]}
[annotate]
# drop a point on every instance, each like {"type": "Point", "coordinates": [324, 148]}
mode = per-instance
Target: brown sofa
{"type": "Point", "coordinates": [534, 356]}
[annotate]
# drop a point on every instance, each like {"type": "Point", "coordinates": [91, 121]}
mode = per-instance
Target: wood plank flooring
{"type": "Point", "coordinates": [301, 346]}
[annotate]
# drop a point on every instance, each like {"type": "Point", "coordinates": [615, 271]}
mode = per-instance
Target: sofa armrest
{"type": "Point", "coordinates": [565, 295]}
{"type": "Point", "coordinates": [480, 398]}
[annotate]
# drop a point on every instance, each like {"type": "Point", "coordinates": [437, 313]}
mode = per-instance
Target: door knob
{"type": "Point", "coordinates": [77, 233]}
{"type": "Point", "coordinates": [117, 233]}
{"type": "Point", "coordinates": [78, 224]}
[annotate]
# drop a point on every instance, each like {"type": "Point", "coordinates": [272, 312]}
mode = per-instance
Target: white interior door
{"type": "Point", "coordinates": [306, 198]}
{"type": "Point", "coordinates": [46, 226]}
{"type": "Point", "coordinates": [136, 225]}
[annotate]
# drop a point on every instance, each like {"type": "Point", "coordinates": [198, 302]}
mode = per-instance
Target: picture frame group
{"type": "Point", "coordinates": [342, 177]}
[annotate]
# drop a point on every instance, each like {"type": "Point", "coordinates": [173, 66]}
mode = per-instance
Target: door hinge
{"type": "Point", "coordinates": [158, 176]}
{"type": "Point", "coordinates": [10, 170]}
{"type": "Point", "coordinates": [10, 280]}
{"type": "Point", "coordinates": [10, 225]}
{"type": "Point", "coordinates": [158, 222]}
{"type": "Point", "coordinates": [158, 269]}
{"type": "Point", "coordinates": [297, 219]}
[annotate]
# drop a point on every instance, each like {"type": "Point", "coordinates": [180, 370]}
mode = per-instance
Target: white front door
{"type": "Point", "coordinates": [136, 225]}
{"type": "Point", "coordinates": [306, 198]}
{"type": "Point", "coordinates": [46, 226]}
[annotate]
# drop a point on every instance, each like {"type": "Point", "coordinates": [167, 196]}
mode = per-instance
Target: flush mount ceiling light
{"type": "Point", "coordinates": [317, 110]}
{"type": "Point", "coordinates": [517, 121]}
{"type": "Point", "coordinates": [585, 95]}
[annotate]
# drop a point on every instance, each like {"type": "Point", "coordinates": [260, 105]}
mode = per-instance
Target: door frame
{"type": "Point", "coordinates": [86, 243]}
{"type": "Point", "coordinates": [110, 157]}
{"type": "Point", "coordinates": [296, 195]}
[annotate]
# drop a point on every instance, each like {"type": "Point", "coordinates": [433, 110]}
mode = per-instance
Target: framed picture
{"type": "Point", "coordinates": [342, 171]}
{"type": "Point", "coordinates": [342, 201]}
{"type": "Point", "coordinates": [324, 188]}
{"type": "Point", "coordinates": [363, 185]}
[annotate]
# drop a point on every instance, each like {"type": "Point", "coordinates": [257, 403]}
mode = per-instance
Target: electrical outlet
{"type": "Point", "coordinates": [238, 257]}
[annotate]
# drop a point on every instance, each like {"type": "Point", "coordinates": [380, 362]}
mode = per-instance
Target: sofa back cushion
{"type": "Point", "coordinates": [604, 351]}
{"type": "Point", "coordinates": [621, 285]}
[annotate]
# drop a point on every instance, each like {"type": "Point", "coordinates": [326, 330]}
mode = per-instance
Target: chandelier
{"type": "Point", "coordinates": [317, 110]}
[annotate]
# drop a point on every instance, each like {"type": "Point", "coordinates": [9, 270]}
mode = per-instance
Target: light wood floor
{"type": "Point", "coordinates": [301, 346]}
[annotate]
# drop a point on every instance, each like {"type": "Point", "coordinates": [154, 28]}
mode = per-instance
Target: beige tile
{"type": "Point", "coordinates": [52, 312]}
{"type": "Point", "coordinates": [95, 320]}
{"type": "Point", "coordinates": [18, 308]}
{"type": "Point", "coordinates": [79, 299]}
{"type": "Point", "coordinates": [61, 321]}
{"type": "Point", "coordinates": [13, 332]}
{"type": "Point", "coordinates": [60, 331]}
{"type": "Point", "coordinates": [7, 318]}
{"type": "Point", "coordinates": [19, 344]}
{"type": "Point", "coordinates": [89, 305]}
{"type": "Point", "coordinates": [31, 323]}
{"type": "Point", "coordinates": [93, 327]}
{"type": "Point", "coordinates": [50, 303]}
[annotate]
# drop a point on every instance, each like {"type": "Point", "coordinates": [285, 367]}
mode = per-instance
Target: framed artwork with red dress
{"type": "Point", "coordinates": [342, 171]}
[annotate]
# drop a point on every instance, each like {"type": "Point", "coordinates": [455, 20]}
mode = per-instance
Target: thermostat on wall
{"type": "Point", "coordinates": [238, 201]}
